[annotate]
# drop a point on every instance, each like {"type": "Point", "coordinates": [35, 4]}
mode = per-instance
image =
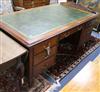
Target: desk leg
{"type": "Point", "coordinates": [30, 67]}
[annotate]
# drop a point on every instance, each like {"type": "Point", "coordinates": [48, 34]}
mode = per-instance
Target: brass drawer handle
{"type": "Point", "coordinates": [47, 51]}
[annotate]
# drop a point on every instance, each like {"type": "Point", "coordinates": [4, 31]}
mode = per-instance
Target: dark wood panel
{"type": "Point", "coordinates": [43, 55]}
{"type": "Point", "coordinates": [64, 35]}
{"type": "Point", "coordinates": [86, 32]}
{"type": "Point", "coordinates": [41, 46]}
{"type": "Point", "coordinates": [43, 66]}
{"type": "Point", "coordinates": [69, 32]}
{"type": "Point", "coordinates": [90, 23]}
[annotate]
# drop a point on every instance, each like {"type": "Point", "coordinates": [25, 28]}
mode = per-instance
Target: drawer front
{"type": "Point", "coordinates": [43, 66]}
{"type": "Point", "coordinates": [71, 31]}
{"type": "Point", "coordinates": [76, 29]}
{"type": "Point", "coordinates": [90, 23]}
{"type": "Point", "coordinates": [48, 43]}
{"type": "Point", "coordinates": [44, 55]}
{"type": "Point", "coordinates": [64, 35]}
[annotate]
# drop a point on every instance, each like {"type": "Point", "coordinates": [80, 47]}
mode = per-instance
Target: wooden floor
{"type": "Point", "coordinates": [87, 80]}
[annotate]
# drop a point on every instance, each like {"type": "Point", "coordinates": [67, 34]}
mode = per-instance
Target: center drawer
{"type": "Point", "coordinates": [45, 55]}
{"type": "Point", "coordinates": [71, 31]}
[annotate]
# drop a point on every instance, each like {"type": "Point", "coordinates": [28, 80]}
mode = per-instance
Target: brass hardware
{"type": "Point", "coordinates": [47, 50]}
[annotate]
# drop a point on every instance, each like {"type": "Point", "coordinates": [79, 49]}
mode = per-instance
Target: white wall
{"type": "Point", "coordinates": [57, 1]}
{"type": "Point", "coordinates": [62, 0]}
{"type": "Point", "coordinates": [5, 6]}
{"type": "Point", "coordinates": [53, 1]}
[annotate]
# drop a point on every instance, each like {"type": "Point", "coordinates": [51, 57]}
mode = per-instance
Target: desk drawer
{"type": "Point", "coordinates": [90, 23]}
{"type": "Point", "coordinates": [76, 29]}
{"type": "Point", "coordinates": [48, 43]}
{"type": "Point", "coordinates": [44, 55]}
{"type": "Point", "coordinates": [43, 66]}
{"type": "Point", "coordinates": [71, 31]}
{"type": "Point", "coordinates": [64, 35]}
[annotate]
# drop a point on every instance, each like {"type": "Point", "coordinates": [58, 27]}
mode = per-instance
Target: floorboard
{"type": "Point", "coordinates": [87, 80]}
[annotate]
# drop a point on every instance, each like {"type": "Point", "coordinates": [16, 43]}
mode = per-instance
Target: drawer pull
{"type": "Point", "coordinates": [47, 50]}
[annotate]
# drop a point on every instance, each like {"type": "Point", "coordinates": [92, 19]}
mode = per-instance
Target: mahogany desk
{"type": "Point", "coordinates": [40, 29]}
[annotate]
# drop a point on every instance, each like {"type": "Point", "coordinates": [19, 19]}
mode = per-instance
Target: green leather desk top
{"type": "Point", "coordinates": [41, 20]}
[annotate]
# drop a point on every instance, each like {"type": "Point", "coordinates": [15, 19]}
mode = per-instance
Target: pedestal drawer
{"type": "Point", "coordinates": [45, 55]}
{"type": "Point", "coordinates": [44, 65]}
{"type": "Point", "coordinates": [48, 43]}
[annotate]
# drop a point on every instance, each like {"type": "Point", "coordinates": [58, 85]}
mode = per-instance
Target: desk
{"type": "Point", "coordinates": [40, 30]}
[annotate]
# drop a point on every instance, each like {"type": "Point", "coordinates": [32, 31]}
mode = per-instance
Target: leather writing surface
{"type": "Point", "coordinates": [41, 20]}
